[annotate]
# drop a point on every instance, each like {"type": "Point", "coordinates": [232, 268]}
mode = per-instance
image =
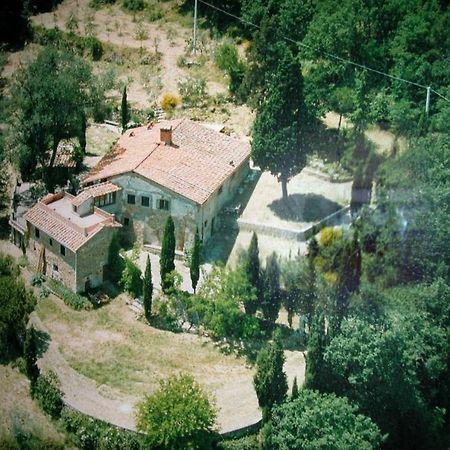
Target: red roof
{"type": "Point", "coordinates": [195, 165]}
{"type": "Point", "coordinates": [96, 190]}
{"type": "Point", "coordinates": [55, 217]}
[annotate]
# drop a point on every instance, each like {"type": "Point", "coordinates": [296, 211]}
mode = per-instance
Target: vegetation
{"type": "Point", "coordinates": [179, 415]}
{"type": "Point", "coordinates": [124, 114]}
{"type": "Point", "coordinates": [148, 289]}
{"type": "Point", "coordinates": [167, 258]}
{"type": "Point", "coordinates": [194, 266]}
{"type": "Point", "coordinates": [115, 260]}
{"type": "Point", "coordinates": [270, 380]}
{"type": "Point", "coordinates": [131, 280]}
{"type": "Point", "coordinates": [272, 294]}
{"type": "Point", "coordinates": [253, 272]}
{"type": "Point", "coordinates": [30, 357]}
{"type": "Point", "coordinates": [315, 420]}
{"type": "Point", "coordinates": [48, 394]}
{"type": "Point", "coordinates": [70, 298]}
{"type": "Point", "coordinates": [52, 98]}
{"type": "Point", "coordinates": [16, 304]}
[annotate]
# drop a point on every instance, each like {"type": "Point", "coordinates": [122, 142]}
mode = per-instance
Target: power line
{"type": "Point", "coordinates": [330, 55]}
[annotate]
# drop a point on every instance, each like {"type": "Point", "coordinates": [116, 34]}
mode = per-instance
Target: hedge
{"type": "Point", "coordinates": [69, 297]}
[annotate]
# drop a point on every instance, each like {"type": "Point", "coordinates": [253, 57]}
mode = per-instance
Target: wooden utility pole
{"type": "Point", "coordinates": [195, 28]}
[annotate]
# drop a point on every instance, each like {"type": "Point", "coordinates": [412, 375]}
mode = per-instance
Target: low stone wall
{"type": "Point", "coordinates": [156, 250]}
{"type": "Point", "coordinates": [291, 233]}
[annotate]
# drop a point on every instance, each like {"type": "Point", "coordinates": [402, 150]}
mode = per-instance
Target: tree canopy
{"type": "Point", "coordinates": [178, 415]}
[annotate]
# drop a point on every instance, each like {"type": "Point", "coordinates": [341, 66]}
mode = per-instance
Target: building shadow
{"type": "Point", "coordinates": [220, 245]}
{"type": "Point", "coordinates": [304, 207]}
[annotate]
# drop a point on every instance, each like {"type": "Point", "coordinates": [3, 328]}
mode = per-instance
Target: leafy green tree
{"type": "Point", "coordinates": [314, 420]}
{"type": "Point", "coordinates": [178, 415]}
{"type": "Point", "coordinates": [218, 304]}
{"type": "Point", "coordinates": [52, 97]}
{"type": "Point", "coordinates": [388, 364]}
{"type": "Point", "coordinates": [30, 356]}
{"type": "Point", "coordinates": [131, 279]}
{"type": "Point", "coordinates": [194, 267]}
{"type": "Point", "coordinates": [270, 380]}
{"type": "Point", "coordinates": [115, 261]}
{"type": "Point", "coordinates": [253, 270]}
{"type": "Point", "coordinates": [281, 131]}
{"type": "Point", "coordinates": [315, 375]}
{"type": "Point", "coordinates": [16, 304]}
{"type": "Point", "coordinates": [124, 114]}
{"type": "Point", "coordinates": [148, 289]}
{"type": "Point", "coordinates": [167, 258]}
{"type": "Point", "coordinates": [271, 291]}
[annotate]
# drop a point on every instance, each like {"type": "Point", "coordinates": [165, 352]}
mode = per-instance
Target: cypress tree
{"type": "Point", "coordinates": [194, 268]}
{"type": "Point", "coordinates": [30, 356]}
{"type": "Point", "coordinates": [272, 293]}
{"type": "Point", "coordinates": [167, 259]}
{"type": "Point", "coordinates": [124, 115]}
{"type": "Point", "coordinates": [270, 381]}
{"type": "Point", "coordinates": [253, 271]}
{"type": "Point", "coordinates": [314, 376]}
{"type": "Point", "coordinates": [115, 261]}
{"type": "Point", "coordinates": [294, 393]}
{"type": "Point", "coordinates": [82, 135]}
{"type": "Point", "coordinates": [148, 289]}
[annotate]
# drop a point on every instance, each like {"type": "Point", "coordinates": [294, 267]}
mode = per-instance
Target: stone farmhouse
{"type": "Point", "coordinates": [175, 167]}
{"type": "Point", "coordinates": [68, 239]}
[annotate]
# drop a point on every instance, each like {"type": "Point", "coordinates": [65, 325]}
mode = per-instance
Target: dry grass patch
{"type": "Point", "coordinates": [109, 346]}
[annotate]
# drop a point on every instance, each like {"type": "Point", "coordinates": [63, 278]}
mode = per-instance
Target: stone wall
{"type": "Point", "coordinates": [57, 266]}
{"type": "Point", "coordinates": [92, 257]}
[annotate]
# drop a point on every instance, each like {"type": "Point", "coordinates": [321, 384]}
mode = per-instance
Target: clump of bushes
{"type": "Point", "coordinates": [48, 394]}
{"type": "Point", "coordinates": [169, 101]}
{"type": "Point", "coordinates": [68, 41]}
{"type": "Point", "coordinates": [193, 91]}
{"type": "Point", "coordinates": [70, 298]}
{"type": "Point", "coordinates": [91, 433]}
{"type": "Point", "coordinates": [133, 5]}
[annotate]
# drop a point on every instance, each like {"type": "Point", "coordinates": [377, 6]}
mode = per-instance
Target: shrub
{"type": "Point", "coordinates": [91, 433]}
{"type": "Point", "coordinates": [131, 279]}
{"type": "Point", "coordinates": [329, 236]}
{"type": "Point", "coordinates": [193, 91]}
{"type": "Point", "coordinates": [133, 5]}
{"type": "Point", "coordinates": [95, 46]}
{"type": "Point", "coordinates": [70, 298]}
{"type": "Point", "coordinates": [99, 3]}
{"type": "Point", "coordinates": [37, 279]}
{"type": "Point", "coordinates": [243, 443]}
{"type": "Point", "coordinates": [169, 101]}
{"type": "Point", "coordinates": [48, 394]}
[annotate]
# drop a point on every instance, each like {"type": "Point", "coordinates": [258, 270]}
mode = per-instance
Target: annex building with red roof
{"type": "Point", "coordinates": [69, 237]}
{"type": "Point", "coordinates": [177, 167]}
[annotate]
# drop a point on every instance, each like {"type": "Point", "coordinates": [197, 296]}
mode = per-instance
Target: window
{"type": "Point", "coordinates": [62, 249]}
{"type": "Point", "coordinates": [36, 233]}
{"type": "Point", "coordinates": [131, 199]}
{"type": "Point", "coordinates": [145, 201]}
{"type": "Point", "coordinates": [220, 190]}
{"type": "Point", "coordinates": [50, 241]}
{"type": "Point", "coordinates": [206, 223]}
{"type": "Point", "coordinates": [75, 208]}
{"type": "Point", "coordinates": [126, 221]}
{"type": "Point", "coordinates": [107, 199]}
{"type": "Point", "coordinates": [55, 268]}
{"type": "Point", "coordinates": [163, 204]}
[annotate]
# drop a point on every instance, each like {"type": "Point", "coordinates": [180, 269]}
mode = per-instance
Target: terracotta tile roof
{"type": "Point", "coordinates": [65, 153]}
{"type": "Point", "coordinates": [96, 190]}
{"type": "Point", "coordinates": [54, 217]}
{"type": "Point", "coordinates": [194, 166]}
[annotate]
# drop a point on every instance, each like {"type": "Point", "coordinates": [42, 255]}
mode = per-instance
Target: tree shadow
{"type": "Point", "coordinates": [42, 342]}
{"type": "Point", "coordinates": [304, 207]}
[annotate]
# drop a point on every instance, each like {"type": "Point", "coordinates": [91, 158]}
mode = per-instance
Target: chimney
{"type": "Point", "coordinates": [166, 135]}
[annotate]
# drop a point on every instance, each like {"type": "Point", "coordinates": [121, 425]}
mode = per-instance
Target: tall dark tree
{"type": "Point", "coordinates": [271, 292]}
{"type": "Point", "coordinates": [30, 356]}
{"type": "Point", "coordinates": [253, 271]}
{"type": "Point", "coordinates": [148, 289]}
{"type": "Point", "coordinates": [194, 268]}
{"type": "Point", "coordinates": [349, 276]}
{"type": "Point", "coordinates": [315, 367]}
{"type": "Point", "coordinates": [115, 261]}
{"type": "Point", "coordinates": [167, 258]}
{"type": "Point", "coordinates": [294, 393]}
{"type": "Point", "coordinates": [281, 131]}
{"type": "Point", "coordinates": [124, 114]}
{"type": "Point", "coordinates": [270, 380]}
{"type": "Point", "coordinates": [51, 99]}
